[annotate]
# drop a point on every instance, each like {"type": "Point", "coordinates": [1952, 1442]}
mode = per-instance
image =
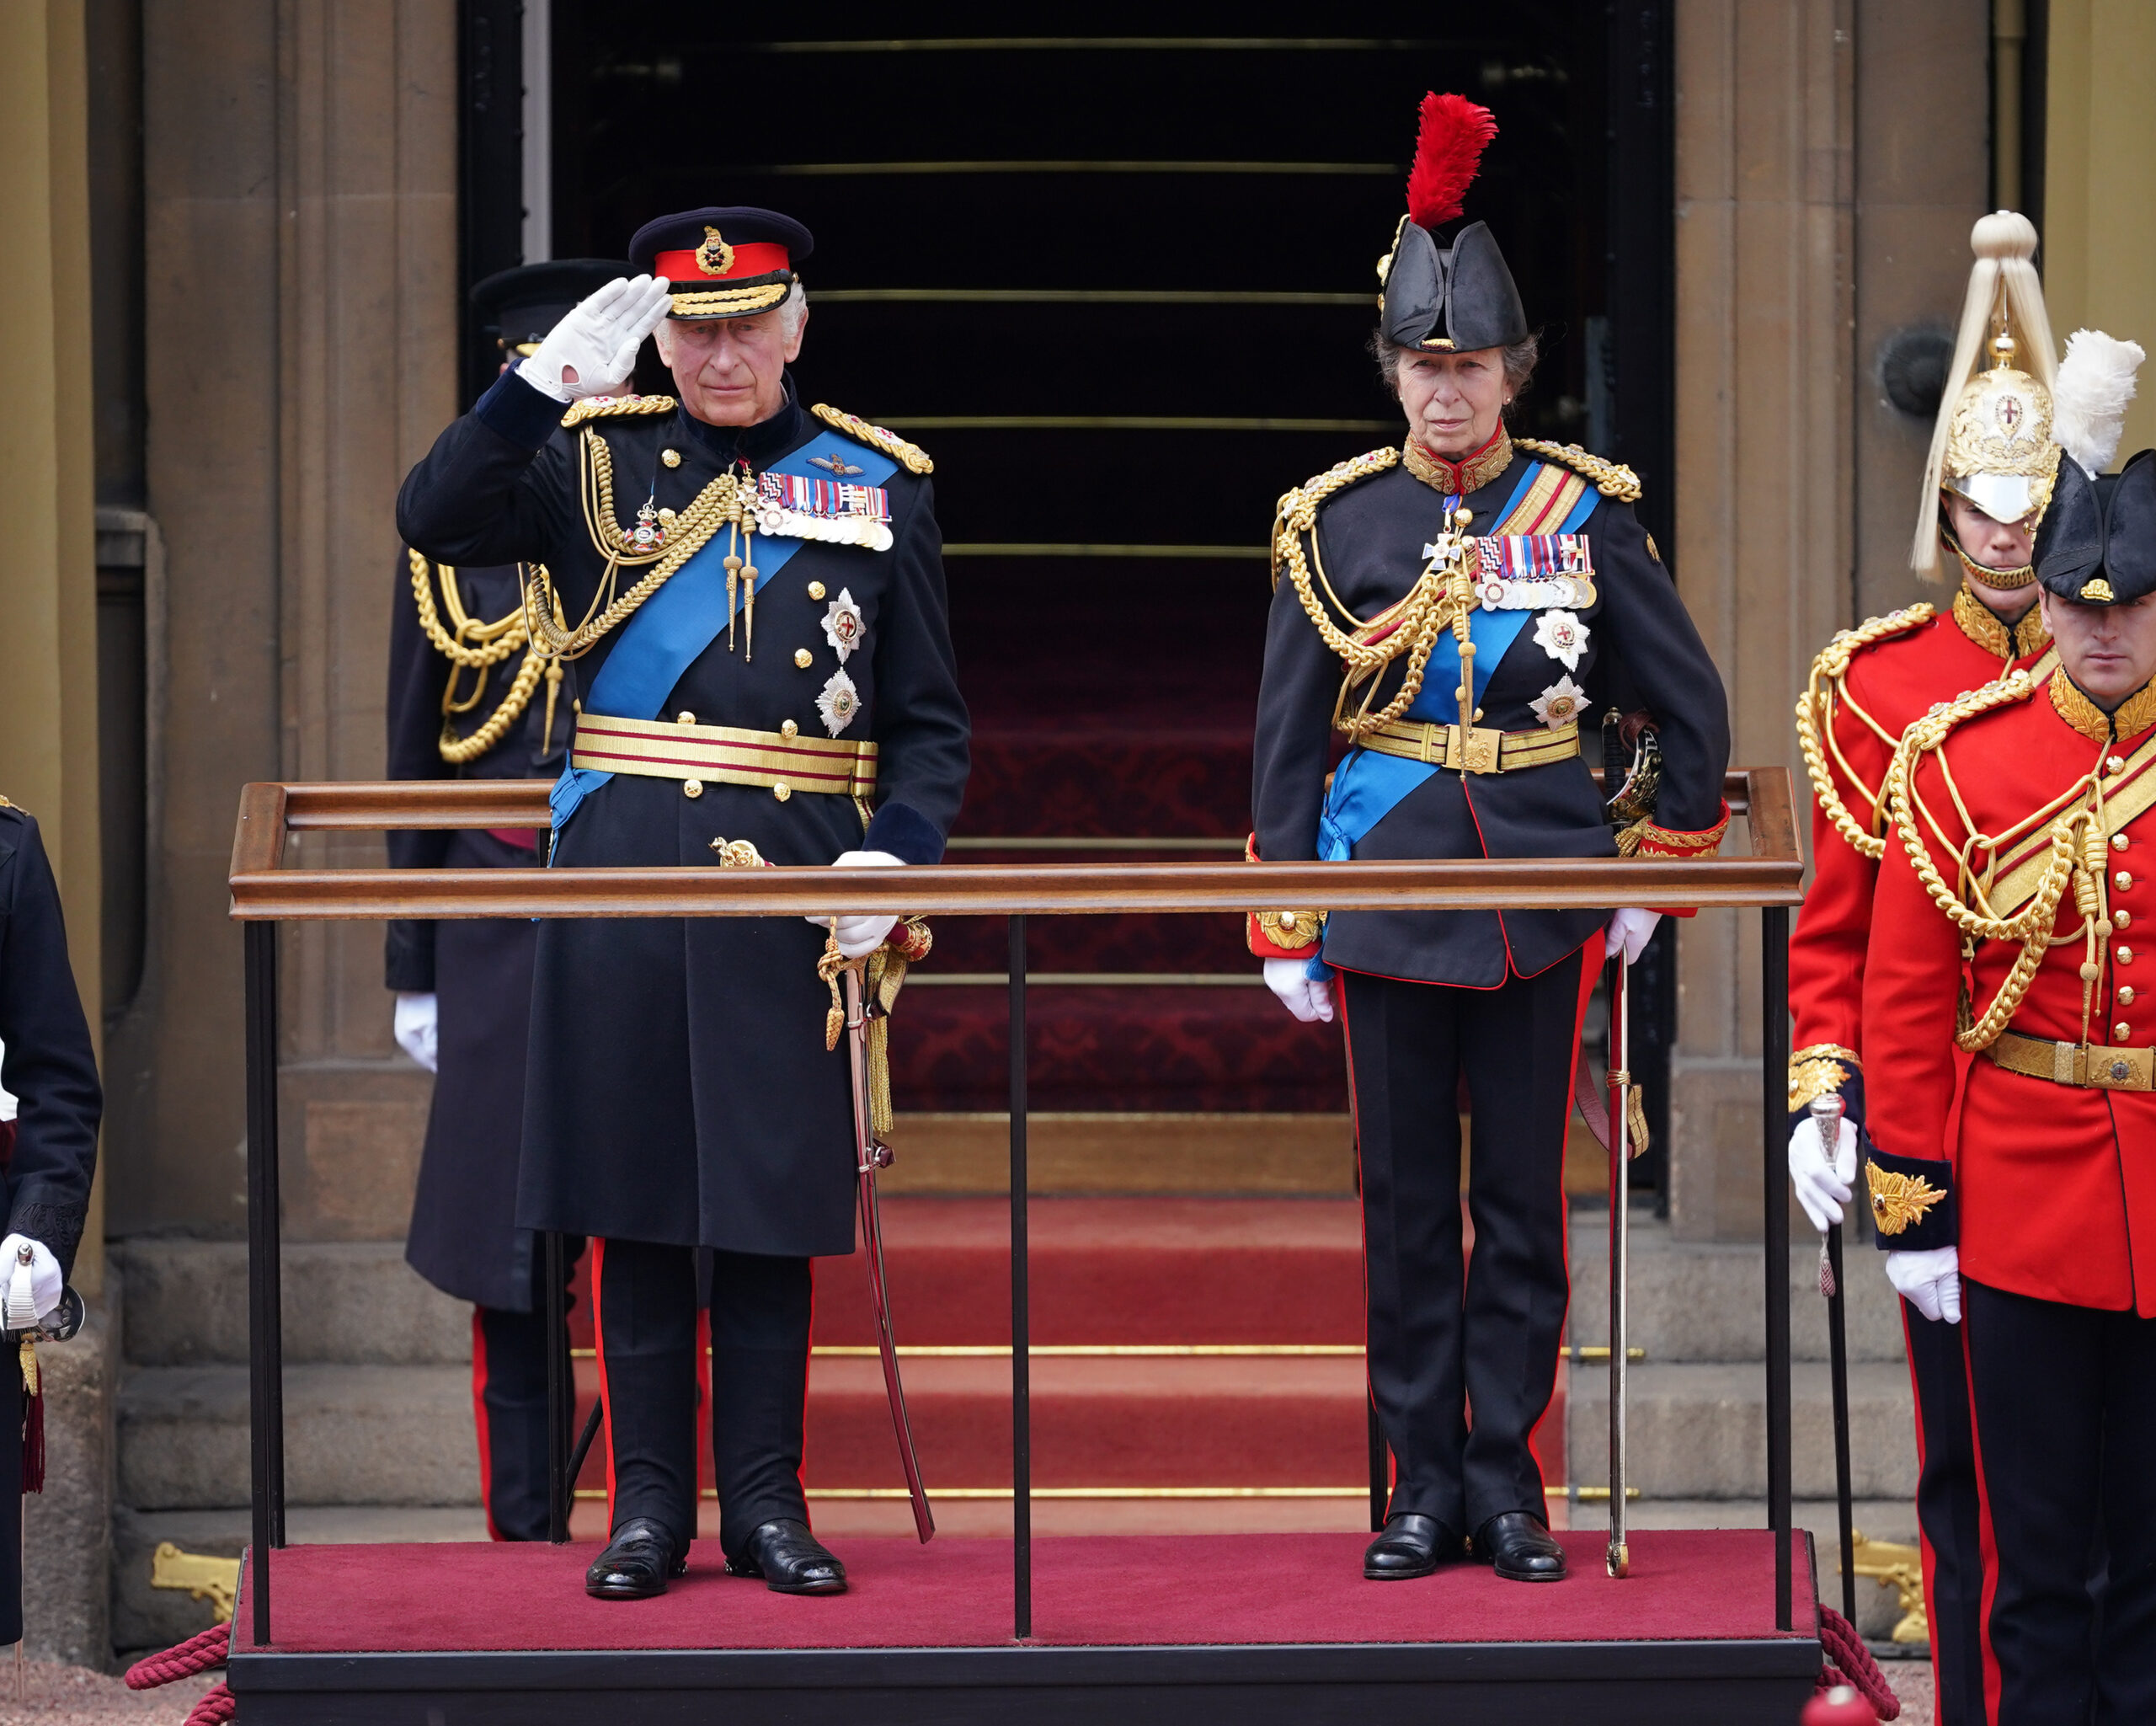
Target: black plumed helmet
{"type": "Point", "coordinates": [1459, 296]}
{"type": "Point", "coordinates": [2097, 544]}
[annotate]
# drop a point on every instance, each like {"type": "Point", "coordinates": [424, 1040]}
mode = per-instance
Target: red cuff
{"type": "Point", "coordinates": [1648, 840]}
{"type": "Point", "coordinates": [1280, 934]}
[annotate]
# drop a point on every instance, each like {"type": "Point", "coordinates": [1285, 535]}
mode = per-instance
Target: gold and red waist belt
{"type": "Point", "coordinates": [1474, 749]}
{"type": "Point", "coordinates": [2093, 1066]}
{"type": "Point", "coordinates": [777, 762]}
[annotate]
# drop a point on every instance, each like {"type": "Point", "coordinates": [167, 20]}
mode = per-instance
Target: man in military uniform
{"type": "Point", "coordinates": [1995, 458]}
{"type": "Point", "coordinates": [1469, 583]}
{"type": "Point", "coordinates": [48, 1066]}
{"type": "Point", "coordinates": [2006, 916]}
{"type": "Point", "coordinates": [472, 696]}
{"type": "Point", "coordinates": [754, 623]}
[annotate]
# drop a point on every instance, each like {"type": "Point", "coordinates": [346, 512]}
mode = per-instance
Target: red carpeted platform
{"type": "Point", "coordinates": [364, 1633]}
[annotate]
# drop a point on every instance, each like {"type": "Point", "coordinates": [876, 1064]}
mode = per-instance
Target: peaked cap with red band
{"type": "Point", "coordinates": [727, 261]}
{"type": "Point", "coordinates": [1460, 297]}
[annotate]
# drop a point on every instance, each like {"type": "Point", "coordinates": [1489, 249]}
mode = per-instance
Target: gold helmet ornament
{"type": "Point", "coordinates": [1993, 443]}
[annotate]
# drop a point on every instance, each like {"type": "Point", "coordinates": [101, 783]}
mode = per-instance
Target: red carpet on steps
{"type": "Point", "coordinates": [1712, 1585]}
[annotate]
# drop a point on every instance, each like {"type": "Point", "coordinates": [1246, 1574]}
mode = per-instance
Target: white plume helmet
{"type": "Point", "coordinates": [2089, 401]}
{"type": "Point", "coordinates": [2004, 287]}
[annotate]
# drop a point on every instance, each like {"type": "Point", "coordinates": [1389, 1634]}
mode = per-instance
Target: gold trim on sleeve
{"type": "Point", "coordinates": [1898, 1200]}
{"type": "Point", "coordinates": [1819, 1069]}
{"type": "Point", "coordinates": [612, 407]}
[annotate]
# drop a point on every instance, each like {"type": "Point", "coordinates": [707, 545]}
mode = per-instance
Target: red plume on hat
{"type": "Point", "coordinates": [1449, 147]}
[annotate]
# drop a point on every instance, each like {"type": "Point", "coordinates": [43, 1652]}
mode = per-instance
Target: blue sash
{"type": "Point", "coordinates": [665, 634]}
{"type": "Point", "coordinates": [1368, 785]}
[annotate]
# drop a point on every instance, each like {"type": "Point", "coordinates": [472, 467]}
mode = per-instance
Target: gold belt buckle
{"type": "Point", "coordinates": [1473, 748]}
{"type": "Point", "coordinates": [2120, 1069]}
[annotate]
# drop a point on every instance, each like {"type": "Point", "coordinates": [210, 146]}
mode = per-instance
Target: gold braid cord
{"type": "Point", "coordinates": [1827, 689]}
{"type": "Point", "coordinates": [1441, 598]}
{"type": "Point", "coordinates": [1612, 479]}
{"type": "Point", "coordinates": [882, 975]}
{"type": "Point", "coordinates": [909, 456]}
{"type": "Point", "coordinates": [477, 646]}
{"type": "Point", "coordinates": [610, 407]}
{"type": "Point", "coordinates": [2078, 858]}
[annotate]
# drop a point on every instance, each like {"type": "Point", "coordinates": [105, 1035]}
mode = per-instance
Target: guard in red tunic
{"type": "Point", "coordinates": [1991, 471]}
{"type": "Point", "coordinates": [1447, 606]}
{"type": "Point", "coordinates": [2009, 908]}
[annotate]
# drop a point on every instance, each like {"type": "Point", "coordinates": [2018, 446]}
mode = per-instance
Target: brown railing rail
{"type": "Point", "coordinates": [265, 891]}
{"type": "Point", "coordinates": [264, 887]}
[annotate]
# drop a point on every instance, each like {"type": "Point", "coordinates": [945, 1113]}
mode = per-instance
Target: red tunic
{"type": "Point", "coordinates": [2054, 1184]}
{"type": "Point", "coordinates": [1899, 666]}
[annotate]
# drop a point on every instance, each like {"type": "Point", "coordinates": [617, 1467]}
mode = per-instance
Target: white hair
{"type": "Point", "coordinates": [794, 309]}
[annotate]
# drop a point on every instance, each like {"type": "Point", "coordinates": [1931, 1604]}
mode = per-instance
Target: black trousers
{"type": "Point", "coordinates": [2065, 1404]}
{"type": "Point", "coordinates": [1436, 1350]}
{"type": "Point", "coordinates": [647, 1315]}
{"type": "Point", "coordinates": [509, 1403]}
{"type": "Point", "coordinates": [1951, 1515]}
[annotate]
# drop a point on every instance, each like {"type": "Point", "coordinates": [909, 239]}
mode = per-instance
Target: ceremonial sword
{"type": "Point", "coordinates": [1619, 1557]}
{"type": "Point", "coordinates": [870, 1155]}
{"type": "Point", "coordinates": [1827, 1110]}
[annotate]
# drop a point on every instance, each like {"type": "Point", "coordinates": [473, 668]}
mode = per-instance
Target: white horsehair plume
{"type": "Point", "coordinates": [2089, 401]}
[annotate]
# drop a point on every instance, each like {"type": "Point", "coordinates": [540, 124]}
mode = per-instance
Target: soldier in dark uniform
{"type": "Point", "coordinates": [48, 1066]}
{"type": "Point", "coordinates": [471, 697]}
{"type": "Point", "coordinates": [2012, 1184]}
{"type": "Point", "coordinates": [753, 622]}
{"type": "Point", "coordinates": [1468, 582]}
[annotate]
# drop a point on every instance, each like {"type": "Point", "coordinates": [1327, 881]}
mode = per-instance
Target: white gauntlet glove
{"type": "Point", "coordinates": [861, 935]}
{"type": "Point", "coordinates": [1822, 1186]}
{"type": "Point", "coordinates": [413, 1024]}
{"type": "Point", "coordinates": [33, 1289]}
{"type": "Point", "coordinates": [1631, 929]}
{"type": "Point", "coordinates": [1307, 997]}
{"type": "Point", "coordinates": [1929, 1281]}
{"type": "Point", "coordinates": [593, 351]}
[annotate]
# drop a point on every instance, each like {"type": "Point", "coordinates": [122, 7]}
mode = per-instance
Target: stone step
{"type": "Point", "coordinates": [365, 1435]}
{"type": "Point", "coordinates": [1707, 1301]}
{"type": "Point", "coordinates": [1697, 1429]}
{"type": "Point", "coordinates": [344, 1302]}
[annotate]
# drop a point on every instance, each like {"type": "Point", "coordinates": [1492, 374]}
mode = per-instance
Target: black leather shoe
{"type": "Point", "coordinates": [1410, 1546]}
{"type": "Point", "coordinates": [790, 1559]}
{"type": "Point", "coordinates": [636, 1564]}
{"type": "Point", "coordinates": [1521, 1547]}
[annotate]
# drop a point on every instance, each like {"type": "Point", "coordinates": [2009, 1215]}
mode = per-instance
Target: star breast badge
{"type": "Point", "coordinates": [838, 702]}
{"type": "Point", "coordinates": [1560, 703]}
{"type": "Point", "coordinates": [844, 626]}
{"type": "Point", "coordinates": [1562, 635]}
{"type": "Point", "coordinates": [1899, 1201]}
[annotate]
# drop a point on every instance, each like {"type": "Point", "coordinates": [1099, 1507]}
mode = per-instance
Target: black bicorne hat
{"type": "Point", "coordinates": [523, 305]}
{"type": "Point", "coordinates": [2097, 544]}
{"type": "Point", "coordinates": [1457, 297]}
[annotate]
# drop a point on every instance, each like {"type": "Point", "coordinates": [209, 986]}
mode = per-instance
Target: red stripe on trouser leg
{"type": "Point", "coordinates": [1339, 993]}
{"type": "Point", "coordinates": [705, 1452]}
{"type": "Point", "coordinates": [480, 1419]}
{"type": "Point", "coordinates": [598, 1352]}
{"type": "Point", "coordinates": [801, 1473]}
{"type": "Point", "coordinates": [1989, 1546]}
{"type": "Point", "coordinates": [1553, 1420]}
{"type": "Point", "coordinates": [1927, 1559]}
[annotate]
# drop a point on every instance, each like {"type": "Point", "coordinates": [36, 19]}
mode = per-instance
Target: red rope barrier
{"type": "Point", "coordinates": [218, 1706]}
{"type": "Point", "coordinates": [205, 1653]}
{"type": "Point", "coordinates": [1851, 1663]}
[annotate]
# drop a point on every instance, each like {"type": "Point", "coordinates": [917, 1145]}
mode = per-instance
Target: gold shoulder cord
{"type": "Point", "coordinates": [476, 646]}
{"type": "Point", "coordinates": [909, 456]}
{"type": "Point", "coordinates": [1828, 689]}
{"type": "Point", "coordinates": [1612, 479]}
{"type": "Point", "coordinates": [2078, 856]}
{"type": "Point", "coordinates": [1443, 597]}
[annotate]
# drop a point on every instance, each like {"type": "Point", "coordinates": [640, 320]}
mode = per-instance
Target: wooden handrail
{"type": "Point", "coordinates": [263, 889]}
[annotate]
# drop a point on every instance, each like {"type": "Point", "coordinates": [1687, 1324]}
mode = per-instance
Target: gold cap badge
{"type": "Point", "coordinates": [2098, 592]}
{"type": "Point", "coordinates": [714, 256]}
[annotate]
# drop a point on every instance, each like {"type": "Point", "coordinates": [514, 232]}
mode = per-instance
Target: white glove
{"type": "Point", "coordinates": [593, 351]}
{"type": "Point", "coordinates": [413, 1024]}
{"type": "Point", "coordinates": [33, 1289]}
{"type": "Point", "coordinates": [1309, 998]}
{"type": "Point", "coordinates": [1631, 929]}
{"type": "Point", "coordinates": [1823, 1187]}
{"type": "Point", "coordinates": [861, 935]}
{"type": "Point", "coordinates": [1929, 1281]}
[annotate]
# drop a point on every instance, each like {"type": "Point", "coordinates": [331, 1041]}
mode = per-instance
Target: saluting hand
{"type": "Point", "coordinates": [593, 351]}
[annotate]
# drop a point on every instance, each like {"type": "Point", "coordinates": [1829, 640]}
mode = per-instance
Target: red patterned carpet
{"type": "Point", "coordinates": [1256, 1589]}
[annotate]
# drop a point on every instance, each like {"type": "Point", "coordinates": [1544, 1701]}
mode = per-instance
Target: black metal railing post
{"type": "Point", "coordinates": [266, 1347]}
{"type": "Point", "coordinates": [1022, 1424]}
{"type": "Point", "coordinates": [560, 1403]}
{"type": "Point", "coordinates": [1774, 1064]}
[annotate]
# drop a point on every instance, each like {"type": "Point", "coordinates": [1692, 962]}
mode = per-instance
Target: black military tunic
{"type": "Point", "coordinates": [464, 1238]}
{"type": "Point", "coordinates": [51, 1069]}
{"type": "Point", "coordinates": [1447, 1335]}
{"type": "Point", "coordinates": [679, 1091]}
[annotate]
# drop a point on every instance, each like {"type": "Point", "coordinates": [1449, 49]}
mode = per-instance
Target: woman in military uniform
{"type": "Point", "coordinates": [1444, 604]}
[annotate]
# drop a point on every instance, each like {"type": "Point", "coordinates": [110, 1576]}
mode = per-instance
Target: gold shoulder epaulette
{"type": "Point", "coordinates": [1815, 721]}
{"type": "Point", "coordinates": [4, 804]}
{"type": "Point", "coordinates": [1296, 513]}
{"type": "Point", "coordinates": [1612, 479]}
{"type": "Point", "coordinates": [909, 456]}
{"type": "Point", "coordinates": [605, 407]}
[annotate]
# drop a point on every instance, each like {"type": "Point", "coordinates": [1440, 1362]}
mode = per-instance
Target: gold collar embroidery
{"type": "Point", "coordinates": [1471, 472]}
{"type": "Point", "coordinates": [1993, 633]}
{"type": "Point", "coordinates": [2135, 715]}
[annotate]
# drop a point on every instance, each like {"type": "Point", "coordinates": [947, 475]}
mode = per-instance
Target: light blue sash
{"type": "Point", "coordinates": [667, 633]}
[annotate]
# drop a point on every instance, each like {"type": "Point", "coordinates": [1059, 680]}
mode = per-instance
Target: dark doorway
{"type": "Point", "coordinates": [1118, 285]}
